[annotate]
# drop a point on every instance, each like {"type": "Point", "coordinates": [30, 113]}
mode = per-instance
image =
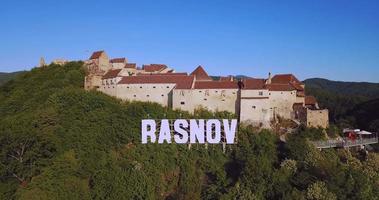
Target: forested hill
{"type": "Point", "coordinates": [363, 89]}
{"type": "Point", "coordinates": [59, 141]}
{"type": "Point", "coordinates": [4, 77]}
{"type": "Point", "coordinates": [347, 101]}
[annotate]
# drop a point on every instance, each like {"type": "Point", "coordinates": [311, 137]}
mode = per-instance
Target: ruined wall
{"type": "Point", "coordinates": [118, 65]}
{"type": "Point", "coordinates": [282, 103]}
{"type": "Point", "coordinates": [211, 99]}
{"type": "Point", "coordinates": [128, 72]}
{"type": "Point", "coordinates": [159, 93]}
{"type": "Point", "coordinates": [317, 118]}
{"type": "Point", "coordinates": [92, 82]}
{"type": "Point", "coordinates": [103, 62]}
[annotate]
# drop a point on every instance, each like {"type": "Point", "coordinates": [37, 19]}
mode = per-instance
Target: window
{"type": "Point", "coordinates": [167, 87]}
{"type": "Point", "coordinates": [234, 92]}
{"type": "Point", "coordinates": [260, 93]}
{"type": "Point", "coordinates": [205, 99]}
{"type": "Point", "coordinates": [134, 95]}
{"type": "Point", "coordinates": [147, 95]}
{"type": "Point", "coordinates": [153, 86]}
{"type": "Point", "coordinates": [269, 93]}
{"type": "Point", "coordinates": [140, 87]}
{"type": "Point", "coordinates": [254, 107]}
{"type": "Point", "coordinates": [127, 87]}
{"type": "Point", "coordinates": [199, 91]}
{"type": "Point", "coordinates": [182, 103]}
{"type": "Point", "coordinates": [162, 95]}
{"type": "Point", "coordinates": [216, 91]}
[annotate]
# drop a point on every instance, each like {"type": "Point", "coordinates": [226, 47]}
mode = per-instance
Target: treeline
{"type": "Point", "coordinates": [61, 142]}
{"type": "Point", "coordinates": [350, 104]}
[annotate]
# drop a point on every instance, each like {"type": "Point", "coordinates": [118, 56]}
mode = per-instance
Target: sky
{"type": "Point", "coordinates": [333, 39]}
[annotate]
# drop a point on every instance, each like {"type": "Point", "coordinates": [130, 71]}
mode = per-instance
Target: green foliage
{"type": "Point", "coordinates": [350, 104]}
{"type": "Point", "coordinates": [61, 142]}
{"type": "Point", "coordinates": [5, 77]}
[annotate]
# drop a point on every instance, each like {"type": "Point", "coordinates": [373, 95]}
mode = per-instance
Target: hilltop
{"type": "Point", "coordinates": [62, 142]}
{"type": "Point", "coordinates": [362, 89]}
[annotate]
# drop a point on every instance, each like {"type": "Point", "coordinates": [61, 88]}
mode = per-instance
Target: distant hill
{"type": "Point", "coordinates": [349, 103]}
{"type": "Point", "coordinates": [5, 77]}
{"type": "Point", "coordinates": [364, 89]}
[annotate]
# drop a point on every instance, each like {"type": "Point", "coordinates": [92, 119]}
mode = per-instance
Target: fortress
{"type": "Point", "coordinates": [255, 101]}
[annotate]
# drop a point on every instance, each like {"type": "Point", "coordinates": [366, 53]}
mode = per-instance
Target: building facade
{"type": "Point", "coordinates": [255, 101]}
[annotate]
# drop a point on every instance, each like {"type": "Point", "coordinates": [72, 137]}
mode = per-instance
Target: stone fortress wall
{"type": "Point", "coordinates": [255, 101]}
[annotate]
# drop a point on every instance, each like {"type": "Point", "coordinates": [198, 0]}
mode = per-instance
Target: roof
{"type": "Point", "coordinates": [165, 74]}
{"type": "Point", "coordinates": [111, 73]}
{"type": "Point", "coordinates": [285, 82]}
{"type": "Point", "coordinates": [96, 55]}
{"type": "Point", "coordinates": [130, 65]}
{"type": "Point", "coordinates": [226, 78]}
{"type": "Point", "coordinates": [182, 82]}
{"type": "Point", "coordinates": [296, 86]}
{"type": "Point", "coordinates": [201, 74]}
{"type": "Point", "coordinates": [118, 60]}
{"type": "Point", "coordinates": [280, 87]}
{"type": "Point", "coordinates": [310, 100]}
{"type": "Point", "coordinates": [253, 84]}
{"type": "Point", "coordinates": [284, 78]}
{"type": "Point", "coordinates": [154, 67]}
{"type": "Point", "coordinates": [216, 85]}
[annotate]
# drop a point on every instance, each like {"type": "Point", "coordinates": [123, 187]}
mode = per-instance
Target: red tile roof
{"type": "Point", "coordinates": [216, 85]}
{"type": "Point", "coordinates": [284, 78]}
{"type": "Point", "coordinates": [280, 87]}
{"type": "Point", "coordinates": [226, 78]}
{"type": "Point", "coordinates": [113, 73]}
{"type": "Point", "coordinates": [253, 84]}
{"type": "Point", "coordinates": [96, 55]}
{"type": "Point", "coordinates": [118, 60]}
{"type": "Point", "coordinates": [182, 82]}
{"type": "Point", "coordinates": [154, 67]}
{"type": "Point", "coordinates": [201, 74]}
{"type": "Point", "coordinates": [130, 65]}
{"type": "Point", "coordinates": [296, 86]}
{"type": "Point", "coordinates": [164, 74]}
{"type": "Point", "coordinates": [310, 100]}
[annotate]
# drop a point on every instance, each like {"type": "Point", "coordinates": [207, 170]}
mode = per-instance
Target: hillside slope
{"type": "Point", "coordinates": [366, 115]}
{"type": "Point", "coordinates": [343, 99]}
{"type": "Point", "coordinates": [5, 77]}
{"type": "Point", "coordinates": [59, 141]}
{"type": "Point", "coordinates": [362, 89]}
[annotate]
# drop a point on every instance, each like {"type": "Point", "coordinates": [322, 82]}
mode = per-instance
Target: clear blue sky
{"type": "Point", "coordinates": [332, 39]}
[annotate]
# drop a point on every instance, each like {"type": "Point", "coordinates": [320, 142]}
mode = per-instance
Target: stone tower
{"type": "Point", "coordinates": [42, 62]}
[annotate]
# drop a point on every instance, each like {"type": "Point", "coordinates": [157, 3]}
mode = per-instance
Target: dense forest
{"type": "Point", "coordinates": [350, 104]}
{"type": "Point", "coordinates": [59, 141]}
{"type": "Point", "coordinates": [5, 77]}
